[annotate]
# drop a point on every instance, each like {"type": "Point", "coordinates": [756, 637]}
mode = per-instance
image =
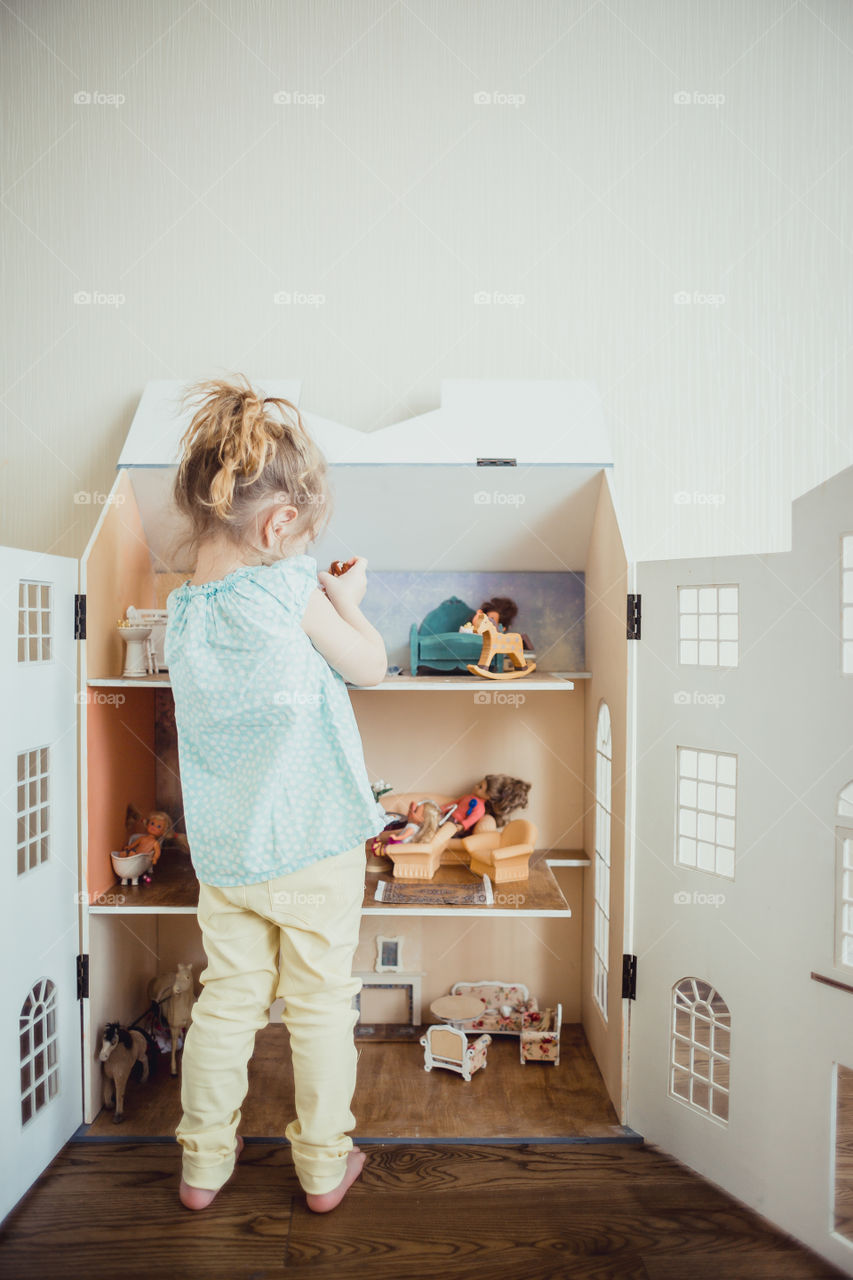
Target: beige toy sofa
{"type": "Point", "coordinates": [504, 1006]}
{"type": "Point", "coordinates": [502, 855]}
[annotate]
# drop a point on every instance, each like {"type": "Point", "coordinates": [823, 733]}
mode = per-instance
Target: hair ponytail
{"type": "Point", "coordinates": [238, 457]}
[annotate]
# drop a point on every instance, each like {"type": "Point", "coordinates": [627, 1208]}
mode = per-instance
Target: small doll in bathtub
{"type": "Point", "coordinates": [158, 825]}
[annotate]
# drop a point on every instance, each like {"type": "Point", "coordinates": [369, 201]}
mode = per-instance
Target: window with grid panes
{"type": "Point", "coordinates": [38, 1049]}
{"type": "Point", "coordinates": [708, 626]}
{"type": "Point", "coordinates": [700, 1048]}
{"type": "Point", "coordinates": [705, 810]}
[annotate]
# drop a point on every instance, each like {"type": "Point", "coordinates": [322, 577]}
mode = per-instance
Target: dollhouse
{"type": "Point", "coordinates": [685, 771]}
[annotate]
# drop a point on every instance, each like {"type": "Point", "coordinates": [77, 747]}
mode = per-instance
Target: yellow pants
{"type": "Point", "coordinates": [312, 916]}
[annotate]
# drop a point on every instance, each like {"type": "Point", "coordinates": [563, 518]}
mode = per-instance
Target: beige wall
{"type": "Point", "coordinates": [605, 632]}
{"type": "Point", "coordinates": [595, 200]}
{"type": "Point", "coordinates": [451, 741]}
{"type": "Point", "coordinates": [545, 955]}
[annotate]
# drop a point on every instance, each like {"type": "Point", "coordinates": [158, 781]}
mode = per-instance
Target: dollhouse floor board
{"type": "Point", "coordinates": [174, 885]}
{"type": "Point", "coordinates": [102, 1211]}
{"type": "Point", "coordinates": [396, 1098]}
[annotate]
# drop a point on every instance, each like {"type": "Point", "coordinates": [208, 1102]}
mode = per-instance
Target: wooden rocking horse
{"type": "Point", "coordinates": [494, 642]}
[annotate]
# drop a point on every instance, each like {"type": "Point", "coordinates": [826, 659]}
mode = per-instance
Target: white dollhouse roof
{"type": "Point", "coordinates": [548, 422]}
{"type": "Point", "coordinates": [535, 422]}
{"type": "Point", "coordinates": [505, 474]}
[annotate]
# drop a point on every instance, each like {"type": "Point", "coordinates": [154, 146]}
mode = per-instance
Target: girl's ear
{"type": "Point", "coordinates": [275, 526]}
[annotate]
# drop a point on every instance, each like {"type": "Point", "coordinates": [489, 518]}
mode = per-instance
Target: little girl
{"type": "Point", "coordinates": [276, 797]}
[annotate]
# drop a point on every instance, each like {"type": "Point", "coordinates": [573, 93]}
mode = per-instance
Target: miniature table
{"type": "Point", "coordinates": [455, 1009]}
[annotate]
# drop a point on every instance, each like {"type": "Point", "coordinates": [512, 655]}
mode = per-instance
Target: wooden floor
{"type": "Point", "coordinates": [108, 1211]}
{"type": "Point", "coordinates": [396, 1098]}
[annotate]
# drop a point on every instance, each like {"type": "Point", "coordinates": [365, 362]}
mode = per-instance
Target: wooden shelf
{"type": "Point", "coordinates": [538, 897]}
{"type": "Point", "coordinates": [160, 681]}
{"type": "Point", "coordinates": [174, 891]}
{"type": "Point", "coordinates": [551, 680]}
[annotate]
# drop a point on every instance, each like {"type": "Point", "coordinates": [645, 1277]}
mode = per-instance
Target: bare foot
{"type": "Point", "coordinates": [331, 1199]}
{"type": "Point", "coordinates": [198, 1197]}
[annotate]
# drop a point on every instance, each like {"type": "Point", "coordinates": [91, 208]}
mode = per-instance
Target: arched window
{"type": "Point", "coordinates": [700, 1048]}
{"type": "Point", "coordinates": [601, 907]}
{"type": "Point", "coordinates": [39, 1057]}
{"type": "Point", "coordinates": [844, 878]}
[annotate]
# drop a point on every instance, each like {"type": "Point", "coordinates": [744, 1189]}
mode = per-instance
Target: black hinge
{"type": "Point", "coordinates": [79, 617]}
{"type": "Point", "coordinates": [634, 614]}
{"type": "Point", "coordinates": [629, 977]}
{"type": "Point", "coordinates": [496, 462]}
{"type": "Point", "coordinates": [82, 977]}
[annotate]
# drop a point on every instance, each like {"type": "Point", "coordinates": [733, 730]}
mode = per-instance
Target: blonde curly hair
{"type": "Point", "coordinates": [240, 456]}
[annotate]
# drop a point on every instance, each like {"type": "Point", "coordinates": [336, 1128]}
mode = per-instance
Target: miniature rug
{"type": "Point", "coordinates": [453, 895]}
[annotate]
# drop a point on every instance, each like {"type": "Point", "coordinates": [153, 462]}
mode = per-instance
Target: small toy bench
{"type": "Point", "coordinates": [505, 1005]}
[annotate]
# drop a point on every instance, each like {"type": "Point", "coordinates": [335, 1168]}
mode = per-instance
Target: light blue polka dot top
{"type": "Point", "coordinates": [272, 766]}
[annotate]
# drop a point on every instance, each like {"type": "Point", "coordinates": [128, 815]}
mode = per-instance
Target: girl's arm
{"type": "Point", "coordinates": [339, 630]}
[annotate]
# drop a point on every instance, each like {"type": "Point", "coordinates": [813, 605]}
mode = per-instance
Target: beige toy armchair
{"type": "Point", "coordinates": [448, 1047]}
{"type": "Point", "coordinates": [502, 855]}
{"type": "Point", "coordinates": [540, 1036]}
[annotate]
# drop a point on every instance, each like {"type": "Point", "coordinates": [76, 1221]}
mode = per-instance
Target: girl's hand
{"type": "Point", "coordinates": [347, 590]}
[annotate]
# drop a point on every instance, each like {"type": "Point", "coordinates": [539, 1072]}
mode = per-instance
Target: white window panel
{"type": "Point", "coordinates": [35, 621]}
{"type": "Point", "coordinates": [33, 808]}
{"type": "Point", "coordinates": [706, 810]}
{"type": "Point", "coordinates": [700, 1048]}
{"type": "Point", "coordinates": [708, 626]}
{"type": "Point", "coordinates": [38, 1049]}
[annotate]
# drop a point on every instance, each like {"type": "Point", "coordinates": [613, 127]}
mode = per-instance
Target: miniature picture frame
{"type": "Point", "coordinates": [389, 954]}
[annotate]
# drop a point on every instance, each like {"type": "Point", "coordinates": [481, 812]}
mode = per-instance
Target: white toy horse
{"type": "Point", "coordinates": [175, 994]}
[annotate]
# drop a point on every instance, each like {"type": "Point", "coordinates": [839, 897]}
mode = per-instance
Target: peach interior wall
{"type": "Point", "coordinates": [118, 572]}
{"type": "Point", "coordinates": [121, 771]}
{"type": "Point", "coordinates": [119, 722]}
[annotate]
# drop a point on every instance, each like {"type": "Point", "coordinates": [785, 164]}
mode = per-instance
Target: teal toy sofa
{"type": "Point", "coordinates": [439, 644]}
